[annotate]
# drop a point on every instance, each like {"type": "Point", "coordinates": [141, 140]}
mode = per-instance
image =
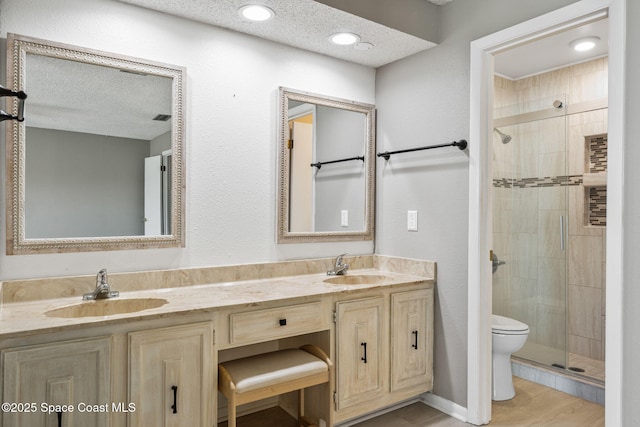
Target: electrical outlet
{"type": "Point", "coordinates": [344, 218]}
{"type": "Point", "coordinates": [412, 220]}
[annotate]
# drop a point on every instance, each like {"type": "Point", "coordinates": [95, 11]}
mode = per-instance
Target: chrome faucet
{"type": "Point", "coordinates": [102, 290]}
{"type": "Point", "coordinates": [339, 268]}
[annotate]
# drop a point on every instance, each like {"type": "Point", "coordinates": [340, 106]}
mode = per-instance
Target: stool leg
{"type": "Point", "coordinates": [300, 406]}
{"type": "Point", "coordinates": [232, 412]}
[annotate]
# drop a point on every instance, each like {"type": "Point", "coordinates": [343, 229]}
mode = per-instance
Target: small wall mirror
{"type": "Point", "coordinates": [326, 168]}
{"type": "Point", "coordinates": [97, 163]}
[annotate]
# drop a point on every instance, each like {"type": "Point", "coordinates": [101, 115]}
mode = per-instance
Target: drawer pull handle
{"type": "Point", "coordinates": [415, 338]}
{"type": "Point", "coordinates": [59, 418]}
{"type": "Point", "coordinates": [364, 358]}
{"type": "Point", "coordinates": [283, 322]}
{"type": "Point", "coordinates": [175, 399]}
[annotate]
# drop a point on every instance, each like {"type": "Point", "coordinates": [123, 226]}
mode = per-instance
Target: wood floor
{"type": "Point", "coordinates": [534, 405]}
{"type": "Point", "coordinates": [272, 417]}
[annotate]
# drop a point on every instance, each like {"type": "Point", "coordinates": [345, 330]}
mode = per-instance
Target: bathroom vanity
{"type": "Point", "coordinates": [158, 366]}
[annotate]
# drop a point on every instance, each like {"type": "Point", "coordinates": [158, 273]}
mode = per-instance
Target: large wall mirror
{"type": "Point", "coordinates": [97, 164]}
{"type": "Point", "coordinates": [326, 168]}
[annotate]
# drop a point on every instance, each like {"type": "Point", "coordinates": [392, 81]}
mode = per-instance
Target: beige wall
{"type": "Point", "coordinates": [531, 286]}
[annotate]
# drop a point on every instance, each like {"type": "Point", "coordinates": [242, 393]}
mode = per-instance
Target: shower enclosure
{"type": "Point", "coordinates": [543, 234]}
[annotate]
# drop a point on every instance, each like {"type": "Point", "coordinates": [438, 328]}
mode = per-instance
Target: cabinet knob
{"type": "Point", "coordinates": [283, 322]}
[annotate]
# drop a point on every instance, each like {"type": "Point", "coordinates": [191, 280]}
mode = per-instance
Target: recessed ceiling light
{"type": "Point", "coordinates": [256, 12]}
{"type": "Point", "coordinates": [344, 39]}
{"type": "Point", "coordinates": [584, 44]}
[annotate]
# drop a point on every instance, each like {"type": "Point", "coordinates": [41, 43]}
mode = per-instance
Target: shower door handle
{"type": "Point", "coordinates": [562, 233]}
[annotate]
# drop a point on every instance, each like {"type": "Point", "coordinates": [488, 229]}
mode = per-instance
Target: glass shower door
{"type": "Point", "coordinates": [530, 228]}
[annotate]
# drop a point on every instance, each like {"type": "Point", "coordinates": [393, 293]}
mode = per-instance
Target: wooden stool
{"type": "Point", "coordinates": [270, 374]}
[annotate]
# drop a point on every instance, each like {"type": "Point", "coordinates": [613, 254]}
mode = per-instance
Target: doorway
{"type": "Point", "coordinates": [481, 223]}
{"type": "Point", "coordinates": [549, 197]}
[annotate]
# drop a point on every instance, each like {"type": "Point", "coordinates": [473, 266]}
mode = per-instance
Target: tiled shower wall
{"type": "Point", "coordinates": [537, 179]}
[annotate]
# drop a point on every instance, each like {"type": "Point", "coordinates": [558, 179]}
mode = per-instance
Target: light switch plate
{"type": "Point", "coordinates": [412, 220]}
{"type": "Point", "coordinates": [344, 218]}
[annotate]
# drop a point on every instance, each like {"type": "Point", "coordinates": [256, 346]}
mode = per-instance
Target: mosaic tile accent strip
{"type": "Point", "coordinates": [547, 181]}
{"type": "Point", "coordinates": [598, 206]}
{"type": "Point", "coordinates": [502, 182]}
{"type": "Point", "coordinates": [597, 149]}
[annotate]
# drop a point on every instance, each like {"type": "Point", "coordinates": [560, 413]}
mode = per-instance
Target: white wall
{"type": "Point", "coordinates": [340, 134]}
{"type": "Point", "coordinates": [82, 184]}
{"type": "Point", "coordinates": [424, 100]}
{"type": "Point", "coordinates": [231, 113]}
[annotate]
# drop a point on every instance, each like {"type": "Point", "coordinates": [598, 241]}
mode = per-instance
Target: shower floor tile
{"type": "Point", "coordinates": [549, 356]}
{"type": "Point", "coordinates": [592, 368]}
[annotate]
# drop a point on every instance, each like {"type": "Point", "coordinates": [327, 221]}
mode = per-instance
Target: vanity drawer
{"type": "Point", "coordinates": [274, 323]}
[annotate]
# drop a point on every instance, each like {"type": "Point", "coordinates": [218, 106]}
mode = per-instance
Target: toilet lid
{"type": "Point", "coordinates": [501, 323]}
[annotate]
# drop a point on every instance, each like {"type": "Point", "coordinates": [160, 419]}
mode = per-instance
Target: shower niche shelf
{"type": "Point", "coordinates": [594, 181]}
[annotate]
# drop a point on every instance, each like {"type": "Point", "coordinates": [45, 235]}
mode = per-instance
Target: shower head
{"type": "Point", "coordinates": [503, 136]}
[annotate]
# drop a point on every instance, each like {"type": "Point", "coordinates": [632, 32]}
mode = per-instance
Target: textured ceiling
{"type": "Point", "coordinates": [97, 100]}
{"type": "Point", "coordinates": [112, 110]}
{"type": "Point", "coordinates": [305, 24]}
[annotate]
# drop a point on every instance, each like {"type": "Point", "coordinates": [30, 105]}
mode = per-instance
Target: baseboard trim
{"type": "Point", "coordinates": [446, 406]}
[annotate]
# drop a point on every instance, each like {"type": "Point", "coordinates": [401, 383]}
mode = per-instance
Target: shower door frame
{"type": "Point", "coordinates": [478, 409]}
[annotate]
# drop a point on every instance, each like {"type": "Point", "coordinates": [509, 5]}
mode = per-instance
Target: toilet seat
{"type": "Point", "coordinates": [507, 326]}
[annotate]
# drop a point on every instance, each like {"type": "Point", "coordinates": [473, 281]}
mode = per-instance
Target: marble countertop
{"type": "Point", "coordinates": [20, 318]}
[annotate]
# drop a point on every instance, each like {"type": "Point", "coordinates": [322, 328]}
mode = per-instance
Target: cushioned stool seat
{"type": "Point", "coordinates": [270, 374]}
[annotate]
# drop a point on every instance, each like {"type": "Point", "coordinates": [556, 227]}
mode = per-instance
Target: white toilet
{"type": "Point", "coordinates": [507, 336]}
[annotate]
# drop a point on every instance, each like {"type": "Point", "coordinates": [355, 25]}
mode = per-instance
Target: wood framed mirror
{"type": "Point", "coordinates": [98, 162]}
{"type": "Point", "coordinates": [326, 184]}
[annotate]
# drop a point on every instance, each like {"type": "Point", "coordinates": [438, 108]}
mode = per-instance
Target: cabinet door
{"type": "Point", "coordinates": [67, 377]}
{"type": "Point", "coordinates": [171, 376]}
{"type": "Point", "coordinates": [359, 347]}
{"type": "Point", "coordinates": [412, 340]}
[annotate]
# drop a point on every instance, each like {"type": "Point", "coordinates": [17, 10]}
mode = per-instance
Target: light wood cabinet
{"type": "Point", "coordinates": [395, 329]}
{"type": "Point", "coordinates": [360, 345]}
{"type": "Point", "coordinates": [161, 371]}
{"type": "Point", "coordinates": [69, 377]}
{"type": "Point", "coordinates": [412, 340]}
{"type": "Point", "coordinates": [275, 323]}
{"type": "Point", "coordinates": [171, 376]}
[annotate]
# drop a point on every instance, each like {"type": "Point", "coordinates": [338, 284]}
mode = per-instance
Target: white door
{"type": "Point", "coordinates": [301, 176]}
{"type": "Point", "coordinates": [153, 196]}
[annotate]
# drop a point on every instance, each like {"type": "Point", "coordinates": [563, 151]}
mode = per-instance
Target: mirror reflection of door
{"type": "Point", "coordinates": [301, 131]}
{"type": "Point", "coordinates": [166, 191]}
{"type": "Point", "coordinates": [157, 194]}
{"type": "Point", "coordinates": [153, 196]}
